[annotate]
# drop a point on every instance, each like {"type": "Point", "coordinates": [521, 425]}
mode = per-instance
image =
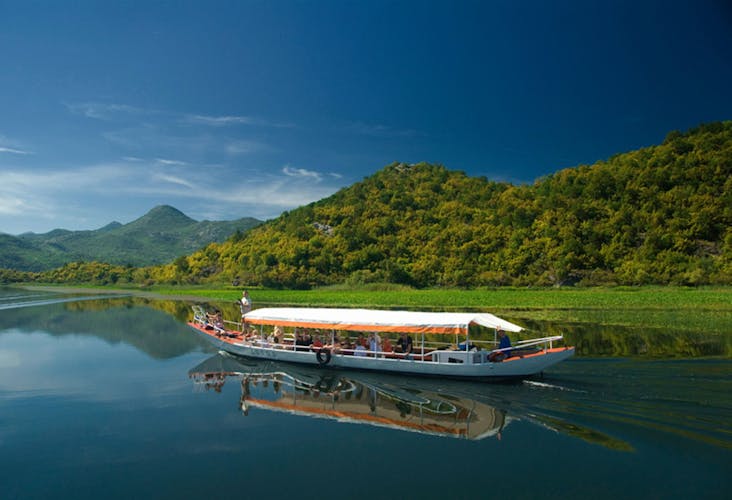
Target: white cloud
{"type": "Point", "coordinates": [175, 180]}
{"type": "Point", "coordinates": [196, 137]}
{"type": "Point", "coordinates": [228, 120]}
{"type": "Point", "coordinates": [379, 130]}
{"type": "Point", "coordinates": [182, 159]}
{"type": "Point", "coordinates": [13, 151]}
{"type": "Point", "coordinates": [114, 111]}
{"type": "Point", "coordinates": [218, 121]}
{"type": "Point", "coordinates": [244, 147]}
{"type": "Point", "coordinates": [163, 161]}
{"type": "Point", "coordinates": [12, 205]}
{"type": "Point", "coordinates": [151, 137]}
{"type": "Point", "coordinates": [105, 111]}
{"type": "Point", "coordinates": [91, 196]}
{"type": "Point", "coordinates": [12, 147]}
{"type": "Point", "coordinates": [301, 172]}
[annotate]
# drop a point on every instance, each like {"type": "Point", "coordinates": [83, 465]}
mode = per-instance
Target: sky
{"type": "Point", "coordinates": [249, 108]}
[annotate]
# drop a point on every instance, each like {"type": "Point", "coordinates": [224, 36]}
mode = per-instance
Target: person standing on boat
{"type": "Point", "coordinates": [405, 344]}
{"type": "Point", "coordinates": [245, 304]}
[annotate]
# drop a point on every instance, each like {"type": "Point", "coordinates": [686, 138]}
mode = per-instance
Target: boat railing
{"type": "Point", "coordinates": [544, 340]}
{"type": "Point", "coordinates": [417, 354]}
{"type": "Point", "coordinates": [289, 345]}
{"type": "Point", "coordinates": [199, 315]}
{"type": "Point", "coordinates": [522, 344]}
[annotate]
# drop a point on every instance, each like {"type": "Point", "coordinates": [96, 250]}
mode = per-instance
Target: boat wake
{"type": "Point", "coordinates": [48, 301]}
{"type": "Point", "coordinates": [544, 385]}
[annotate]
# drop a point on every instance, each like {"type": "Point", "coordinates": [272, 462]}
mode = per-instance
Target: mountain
{"type": "Point", "coordinates": [661, 214]}
{"type": "Point", "coordinates": [157, 237]}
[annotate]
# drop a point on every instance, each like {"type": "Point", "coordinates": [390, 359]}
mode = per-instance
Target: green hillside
{"type": "Point", "coordinates": [661, 214]}
{"type": "Point", "coordinates": [159, 236]}
{"type": "Point", "coordinates": [26, 254]}
{"type": "Point", "coordinates": [658, 215]}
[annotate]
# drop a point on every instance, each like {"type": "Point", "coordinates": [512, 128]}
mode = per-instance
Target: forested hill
{"type": "Point", "coordinates": [157, 237]}
{"type": "Point", "coordinates": [661, 214]}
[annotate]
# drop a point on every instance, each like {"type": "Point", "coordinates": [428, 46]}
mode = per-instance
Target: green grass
{"type": "Point", "coordinates": [673, 309]}
{"type": "Point", "coordinates": [644, 298]}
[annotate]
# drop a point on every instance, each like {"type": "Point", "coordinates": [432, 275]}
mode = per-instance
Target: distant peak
{"type": "Point", "coordinates": [164, 216]}
{"type": "Point", "coordinates": [165, 209]}
{"type": "Point", "coordinates": [112, 225]}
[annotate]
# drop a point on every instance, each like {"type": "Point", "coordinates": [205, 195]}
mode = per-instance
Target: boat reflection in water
{"type": "Point", "coordinates": [353, 398]}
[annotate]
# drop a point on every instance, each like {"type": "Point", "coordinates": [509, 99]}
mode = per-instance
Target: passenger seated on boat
{"type": "Point", "coordinates": [247, 330]}
{"type": "Point", "coordinates": [317, 343]}
{"type": "Point", "coordinates": [361, 340]}
{"type": "Point", "coordinates": [374, 343]}
{"type": "Point", "coordinates": [303, 339]}
{"type": "Point", "coordinates": [337, 344]}
{"type": "Point", "coordinates": [467, 346]}
{"type": "Point", "coordinates": [505, 344]}
{"type": "Point", "coordinates": [386, 345]}
{"type": "Point", "coordinates": [216, 320]}
{"type": "Point", "coordinates": [347, 345]}
{"type": "Point", "coordinates": [404, 345]}
{"type": "Point", "coordinates": [210, 319]}
{"type": "Point", "coordinates": [278, 334]}
{"type": "Point", "coordinates": [360, 350]}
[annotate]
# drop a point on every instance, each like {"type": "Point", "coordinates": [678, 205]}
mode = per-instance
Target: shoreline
{"type": "Point", "coordinates": [116, 291]}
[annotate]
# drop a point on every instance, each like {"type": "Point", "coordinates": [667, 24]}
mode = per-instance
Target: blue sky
{"type": "Point", "coordinates": [233, 109]}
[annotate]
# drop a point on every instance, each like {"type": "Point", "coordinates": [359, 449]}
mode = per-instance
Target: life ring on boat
{"type": "Point", "coordinates": [323, 356]}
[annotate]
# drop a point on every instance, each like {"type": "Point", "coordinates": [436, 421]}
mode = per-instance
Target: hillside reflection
{"type": "Point", "coordinates": [155, 327]}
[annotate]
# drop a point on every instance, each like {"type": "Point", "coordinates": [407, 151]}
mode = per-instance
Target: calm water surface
{"type": "Point", "coordinates": [117, 398]}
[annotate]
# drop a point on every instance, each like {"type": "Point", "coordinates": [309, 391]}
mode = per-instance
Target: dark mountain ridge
{"type": "Point", "coordinates": [157, 237]}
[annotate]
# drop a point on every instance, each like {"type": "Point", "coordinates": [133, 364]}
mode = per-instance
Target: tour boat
{"type": "Point", "coordinates": [356, 398]}
{"type": "Point", "coordinates": [278, 333]}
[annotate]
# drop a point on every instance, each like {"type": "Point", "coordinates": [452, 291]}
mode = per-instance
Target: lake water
{"type": "Point", "coordinates": [118, 398]}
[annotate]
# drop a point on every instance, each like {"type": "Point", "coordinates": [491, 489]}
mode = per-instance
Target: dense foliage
{"type": "Point", "coordinates": [662, 215]}
{"type": "Point", "coordinates": [159, 236]}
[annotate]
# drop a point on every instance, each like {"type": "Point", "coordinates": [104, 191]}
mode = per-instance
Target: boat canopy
{"type": "Point", "coordinates": [370, 320]}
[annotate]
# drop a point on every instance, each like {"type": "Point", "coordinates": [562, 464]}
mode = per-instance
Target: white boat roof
{"type": "Point", "coordinates": [371, 320]}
